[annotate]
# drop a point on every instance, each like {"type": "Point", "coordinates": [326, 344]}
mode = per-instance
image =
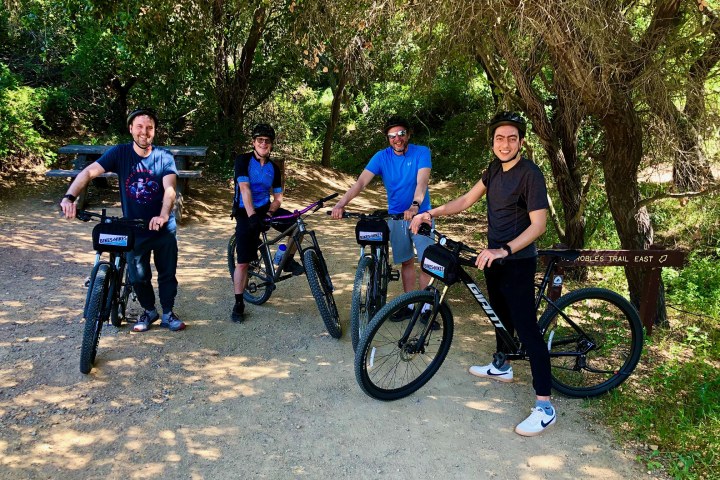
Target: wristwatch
{"type": "Point", "coordinates": [70, 197]}
{"type": "Point", "coordinates": [415, 204]}
{"type": "Point", "coordinates": [507, 248]}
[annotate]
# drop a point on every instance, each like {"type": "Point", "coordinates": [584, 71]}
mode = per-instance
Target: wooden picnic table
{"type": "Point", "coordinates": [189, 161]}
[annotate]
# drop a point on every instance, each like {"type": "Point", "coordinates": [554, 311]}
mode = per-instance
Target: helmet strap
{"type": "Point", "coordinates": [260, 157]}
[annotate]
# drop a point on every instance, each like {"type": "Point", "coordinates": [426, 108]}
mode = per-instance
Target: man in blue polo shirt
{"type": "Point", "coordinates": [147, 178]}
{"type": "Point", "coordinates": [405, 170]}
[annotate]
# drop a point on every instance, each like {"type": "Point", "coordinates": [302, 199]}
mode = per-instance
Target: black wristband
{"type": "Point", "coordinates": [70, 197]}
{"type": "Point", "coordinates": [507, 248]}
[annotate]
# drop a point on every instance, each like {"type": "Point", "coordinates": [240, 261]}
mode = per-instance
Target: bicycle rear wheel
{"type": "Point", "coordinates": [94, 318]}
{"type": "Point", "coordinates": [363, 305]}
{"type": "Point", "coordinates": [322, 290]}
{"type": "Point", "coordinates": [595, 339]}
{"type": "Point", "coordinates": [389, 361]}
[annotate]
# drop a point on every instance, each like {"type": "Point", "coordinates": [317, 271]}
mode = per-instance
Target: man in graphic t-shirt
{"type": "Point", "coordinates": [147, 178]}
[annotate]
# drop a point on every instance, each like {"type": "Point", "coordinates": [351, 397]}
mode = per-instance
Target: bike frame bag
{"type": "Point", "coordinates": [113, 237]}
{"type": "Point", "coordinates": [372, 231]}
{"type": "Point", "coordinates": [440, 263]}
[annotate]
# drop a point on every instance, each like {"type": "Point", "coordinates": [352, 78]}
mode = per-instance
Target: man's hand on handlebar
{"type": "Point", "coordinates": [418, 220]}
{"type": "Point", "coordinates": [337, 212]}
{"type": "Point", "coordinates": [68, 208]}
{"type": "Point", "coordinates": [486, 257]}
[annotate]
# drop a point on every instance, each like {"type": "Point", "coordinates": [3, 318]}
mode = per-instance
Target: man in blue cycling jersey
{"type": "Point", "coordinates": [517, 213]}
{"type": "Point", "coordinates": [147, 178]}
{"type": "Point", "coordinates": [405, 170]}
{"type": "Point", "coordinates": [256, 177]}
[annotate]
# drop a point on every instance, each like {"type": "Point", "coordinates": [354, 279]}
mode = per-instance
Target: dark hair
{"type": "Point", "coordinates": [395, 121]}
{"type": "Point", "coordinates": [507, 118]}
{"type": "Point", "coordinates": [263, 130]}
{"type": "Point", "coordinates": [142, 111]}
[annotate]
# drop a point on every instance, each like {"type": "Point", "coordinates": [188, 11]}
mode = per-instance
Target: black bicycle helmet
{"type": "Point", "coordinates": [142, 111]}
{"type": "Point", "coordinates": [263, 130]}
{"type": "Point", "coordinates": [507, 118]}
{"type": "Point", "coordinates": [395, 121]}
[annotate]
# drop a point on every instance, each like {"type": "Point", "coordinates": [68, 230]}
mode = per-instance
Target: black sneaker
{"type": "Point", "coordinates": [238, 313]}
{"type": "Point", "coordinates": [401, 315]}
{"type": "Point", "coordinates": [294, 267]}
{"type": "Point", "coordinates": [425, 316]}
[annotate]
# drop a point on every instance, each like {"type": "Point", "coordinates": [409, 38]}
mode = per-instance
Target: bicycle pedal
{"type": "Point", "coordinates": [86, 282]}
{"type": "Point", "coordinates": [395, 275]}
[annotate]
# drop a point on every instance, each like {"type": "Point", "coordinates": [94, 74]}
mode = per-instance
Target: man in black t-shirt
{"type": "Point", "coordinates": [517, 210]}
{"type": "Point", "coordinates": [256, 177]}
{"type": "Point", "coordinates": [147, 178]}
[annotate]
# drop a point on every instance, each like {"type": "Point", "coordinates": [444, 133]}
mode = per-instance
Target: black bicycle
{"type": "Point", "coordinates": [374, 271]}
{"type": "Point", "coordinates": [594, 335]}
{"type": "Point", "coordinates": [109, 289]}
{"type": "Point", "coordinates": [263, 275]}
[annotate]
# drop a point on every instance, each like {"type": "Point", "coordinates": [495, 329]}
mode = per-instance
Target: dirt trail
{"type": "Point", "coordinates": [274, 397]}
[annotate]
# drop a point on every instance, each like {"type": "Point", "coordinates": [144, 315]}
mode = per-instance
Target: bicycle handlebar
{"type": "Point", "coordinates": [380, 214]}
{"type": "Point", "coordinates": [316, 205]}
{"type": "Point", "coordinates": [87, 215]}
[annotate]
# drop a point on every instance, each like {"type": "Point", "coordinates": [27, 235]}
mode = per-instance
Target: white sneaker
{"type": "Point", "coordinates": [536, 423]}
{"type": "Point", "coordinates": [489, 371]}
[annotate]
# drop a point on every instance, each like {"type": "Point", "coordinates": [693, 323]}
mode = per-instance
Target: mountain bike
{"type": "Point", "coordinates": [594, 335]}
{"type": "Point", "coordinates": [109, 289]}
{"type": "Point", "coordinates": [263, 275]}
{"type": "Point", "coordinates": [374, 271]}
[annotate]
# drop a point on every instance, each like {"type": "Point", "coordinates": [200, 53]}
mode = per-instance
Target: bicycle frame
{"type": "Point", "coordinates": [465, 278]}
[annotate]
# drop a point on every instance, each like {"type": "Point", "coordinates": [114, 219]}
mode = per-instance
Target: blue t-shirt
{"type": "Point", "coordinates": [399, 174]}
{"type": "Point", "coordinates": [141, 179]}
{"type": "Point", "coordinates": [263, 179]}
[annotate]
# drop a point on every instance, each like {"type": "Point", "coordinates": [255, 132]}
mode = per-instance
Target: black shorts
{"type": "Point", "coordinates": [247, 239]}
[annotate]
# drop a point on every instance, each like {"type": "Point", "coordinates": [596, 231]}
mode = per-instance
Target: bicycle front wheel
{"type": "Point", "coordinates": [322, 290]}
{"type": "Point", "coordinates": [392, 361]}
{"type": "Point", "coordinates": [364, 304]}
{"type": "Point", "coordinates": [94, 318]}
{"type": "Point", "coordinates": [595, 338]}
{"type": "Point", "coordinates": [260, 273]}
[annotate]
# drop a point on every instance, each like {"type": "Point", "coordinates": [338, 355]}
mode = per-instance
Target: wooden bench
{"type": "Point", "coordinates": [185, 161]}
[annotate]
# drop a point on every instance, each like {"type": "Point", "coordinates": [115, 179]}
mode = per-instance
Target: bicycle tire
{"type": "Point", "coordinates": [385, 367]}
{"type": "Point", "coordinates": [231, 256]}
{"type": "Point", "coordinates": [362, 306]}
{"type": "Point", "coordinates": [322, 290]}
{"type": "Point", "coordinates": [605, 322]}
{"type": "Point", "coordinates": [94, 319]}
{"type": "Point", "coordinates": [260, 272]}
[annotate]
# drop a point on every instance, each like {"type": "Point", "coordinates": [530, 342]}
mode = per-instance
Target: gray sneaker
{"type": "Point", "coordinates": [173, 323]}
{"type": "Point", "coordinates": [144, 321]}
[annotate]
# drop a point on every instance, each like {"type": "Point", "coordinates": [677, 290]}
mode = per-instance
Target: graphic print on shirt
{"type": "Point", "coordinates": [141, 187]}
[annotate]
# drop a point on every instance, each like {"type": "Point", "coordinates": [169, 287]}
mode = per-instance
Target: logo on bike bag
{"type": "Point", "coordinates": [370, 236]}
{"type": "Point", "coordinates": [116, 240]}
{"type": "Point", "coordinates": [433, 268]}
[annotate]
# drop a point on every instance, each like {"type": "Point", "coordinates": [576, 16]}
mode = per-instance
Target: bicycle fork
{"type": "Point", "coordinates": [418, 345]}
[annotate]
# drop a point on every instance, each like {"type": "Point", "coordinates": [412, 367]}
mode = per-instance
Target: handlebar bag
{"type": "Point", "coordinates": [113, 237]}
{"type": "Point", "coordinates": [372, 231]}
{"type": "Point", "coordinates": [441, 263]}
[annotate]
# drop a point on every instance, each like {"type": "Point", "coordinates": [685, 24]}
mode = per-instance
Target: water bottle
{"type": "Point", "coordinates": [279, 254]}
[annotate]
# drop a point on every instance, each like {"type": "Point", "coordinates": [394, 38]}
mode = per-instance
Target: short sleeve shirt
{"type": "Point", "coordinates": [399, 175]}
{"type": "Point", "coordinates": [511, 196]}
{"type": "Point", "coordinates": [263, 179]}
{"type": "Point", "coordinates": [140, 178]}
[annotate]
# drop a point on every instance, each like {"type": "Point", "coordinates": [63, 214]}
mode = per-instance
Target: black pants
{"type": "Point", "coordinates": [247, 239]}
{"type": "Point", "coordinates": [511, 288]}
{"type": "Point", "coordinates": [163, 247]}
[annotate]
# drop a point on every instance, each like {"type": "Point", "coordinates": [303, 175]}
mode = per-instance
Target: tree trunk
{"type": "Point", "coordinates": [334, 118]}
{"type": "Point", "coordinates": [620, 165]}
